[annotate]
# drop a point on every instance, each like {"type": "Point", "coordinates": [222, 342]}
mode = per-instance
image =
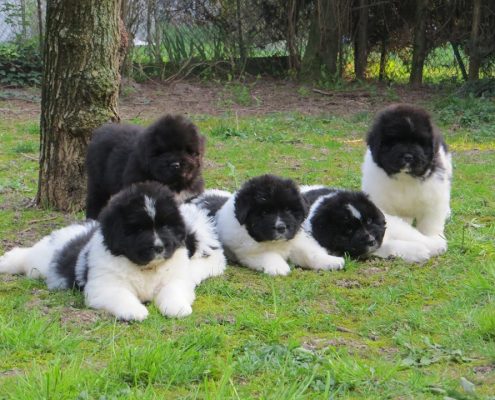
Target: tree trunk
{"type": "Point", "coordinates": [240, 37]}
{"type": "Point", "coordinates": [39, 9]}
{"type": "Point", "coordinates": [419, 44]}
{"type": "Point", "coordinates": [83, 47]}
{"type": "Point", "coordinates": [474, 53]}
{"type": "Point", "coordinates": [383, 58]}
{"type": "Point", "coordinates": [294, 61]}
{"type": "Point", "coordinates": [323, 41]}
{"type": "Point", "coordinates": [361, 42]}
{"type": "Point", "coordinates": [457, 54]}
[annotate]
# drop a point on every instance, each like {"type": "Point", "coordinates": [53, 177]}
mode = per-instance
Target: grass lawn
{"type": "Point", "coordinates": [379, 329]}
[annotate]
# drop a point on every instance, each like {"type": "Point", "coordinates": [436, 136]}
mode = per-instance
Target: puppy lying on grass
{"type": "Point", "coordinates": [136, 252]}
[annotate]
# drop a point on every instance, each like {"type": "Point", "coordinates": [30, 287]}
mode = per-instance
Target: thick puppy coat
{"type": "Point", "coordinates": [407, 168]}
{"type": "Point", "coordinates": [169, 151]}
{"type": "Point", "coordinates": [259, 227]}
{"type": "Point", "coordinates": [136, 252]}
{"type": "Point", "coordinates": [344, 222]}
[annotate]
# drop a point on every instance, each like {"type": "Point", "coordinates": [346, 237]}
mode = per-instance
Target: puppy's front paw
{"type": "Point", "coordinates": [277, 268]}
{"type": "Point", "coordinates": [413, 253]}
{"type": "Point", "coordinates": [175, 308]}
{"type": "Point", "coordinates": [436, 245]}
{"type": "Point", "coordinates": [132, 312]}
{"type": "Point", "coordinates": [328, 263]}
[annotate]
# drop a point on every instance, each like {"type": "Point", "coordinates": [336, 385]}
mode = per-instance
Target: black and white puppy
{"type": "Point", "coordinates": [343, 221]}
{"type": "Point", "coordinates": [348, 222]}
{"type": "Point", "coordinates": [135, 253]}
{"type": "Point", "coordinates": [260, 226]}
{"type": "Point", "coordinates": [170, 151]}
{"type": "Point", "coordinates": [407, 168]}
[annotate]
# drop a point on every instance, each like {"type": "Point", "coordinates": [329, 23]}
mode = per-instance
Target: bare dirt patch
{"type": "Point", "coordinates": [150, 99]}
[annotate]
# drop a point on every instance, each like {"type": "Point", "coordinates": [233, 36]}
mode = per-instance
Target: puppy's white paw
{"type": "Point", "coordinates": [413, 252]}
{"type": "Point", "coordinates": [175, 308]}
{"type": "Point", "coordinates": [132, 312]}
{"type": "Point", "coordinates": [436, 245]}
{"type": "Point", "coordinates": [277, 268]}
{"type": "Point", "coordinates": [327, 263]}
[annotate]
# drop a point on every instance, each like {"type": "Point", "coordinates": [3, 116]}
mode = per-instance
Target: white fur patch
{"type": "Point", "coordinates": [149, 207]}
{"type": "Point", "coordinates": [158, 241]}
{"type": "Point", "coordinates": [354, 211]}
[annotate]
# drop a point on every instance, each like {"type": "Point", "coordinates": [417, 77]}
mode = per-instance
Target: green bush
{"type": "Point", "coordinates": [20, 64]}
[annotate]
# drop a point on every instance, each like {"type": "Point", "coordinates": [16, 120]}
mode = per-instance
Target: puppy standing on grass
{"type": "Point", "coordinates": [260, 226]}
{"type": "Point", "coordinates": [407, 168]}
{"type": "Point", "coordinates": [135, 253]}
{"type": "Point", "coordinates": [347, 222]}
{"type": "Point", "coordinates": [169, 151]}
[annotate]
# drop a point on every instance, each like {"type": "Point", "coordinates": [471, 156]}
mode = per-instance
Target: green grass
{"type": "Point", "coordinates": [381, 329]}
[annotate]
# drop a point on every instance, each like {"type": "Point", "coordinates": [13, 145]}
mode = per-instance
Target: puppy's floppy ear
{"type": "Point", "coordinates": [112, 228]}
{"type": "Point", "coordinates": [242, 205]}
{"type": "Point", "coordinates": [374, 135]}
{"type": "Point", "coordinates": [305, 204]}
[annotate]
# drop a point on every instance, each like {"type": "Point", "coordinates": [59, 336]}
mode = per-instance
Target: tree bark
{"type": "Point", "coordinates": [457, 54]}
{"type": "Point", "coordinates": [474, 53]}
{"type": "Point", "coordinates": [323, 41]}
{"type": "Point", "coordinates": [361, 42]}
{"type": "Point", "coordinates": [294, 60]}
{"type": "Point", "coordinates": [79, 92]}
{"type": "Point", "coordinates": [419, 44]}
{"type": "Point", "coordinates": [383, 58]}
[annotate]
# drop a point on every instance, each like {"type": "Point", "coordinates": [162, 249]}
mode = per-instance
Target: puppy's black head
{"type": "Point", "coordinates": [348, 222]}
{"type": "Point", "coordinates": [172, 150]}
{"type": "Point", "coordinates": [142, 223]}
{"type": "Point", "coordinates": [270, 207]}
{"type": "Point", "coordinates": [403, 138]}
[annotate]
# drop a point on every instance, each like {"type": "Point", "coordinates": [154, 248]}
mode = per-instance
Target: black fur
{"type": "Point", "coordinates": [191, 243]}
{"type": "Point", "coordinates": [129, 231]}
{"type": "Point", "coordinates": [211, 202]}
{"type": "Point", "coordinates": [403, 138]}
{"type": "Point", "coordinates": [65, 260]}
{"type": "Point", "coordinates": [336, 229]}
{"type": "Point", "coordinates": [271, 208]}
{"type": "Point", "coordinates": [169, 151]}
{"type": "Point", "coordinates": [314, 194]}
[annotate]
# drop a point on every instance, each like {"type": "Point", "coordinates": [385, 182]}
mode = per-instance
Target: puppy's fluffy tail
{"type": "Point", "coordinates": [26, 260]}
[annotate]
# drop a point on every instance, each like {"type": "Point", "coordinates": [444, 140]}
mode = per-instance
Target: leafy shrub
{"type": "Point", "coordinates": [466, 112]}
{"type": "Point", "coordinates": [20, 64]}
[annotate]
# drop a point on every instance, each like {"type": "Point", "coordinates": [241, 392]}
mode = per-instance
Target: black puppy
{"type": "Point", "coordinates": [169, 151]}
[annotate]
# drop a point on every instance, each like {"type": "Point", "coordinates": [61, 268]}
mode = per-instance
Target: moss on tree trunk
{"type": "Point", "coordinates": [79, 92]}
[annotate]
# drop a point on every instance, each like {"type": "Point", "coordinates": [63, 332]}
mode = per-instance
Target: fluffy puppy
{"type": "Point", "coordinates": [259, 226]}
{"type": "Point", "coordinates": [169, 151]}
{"type": "Point", "coordinates": [206, 258]}
{"type": "Point", "coordinates": [343, 221]}
{"type": "Point", "coordinates": [135, 253]}
{"type": "Point", "coordinates": [348, 222]}
{"type": "Point", "coordinates": [407, 168]}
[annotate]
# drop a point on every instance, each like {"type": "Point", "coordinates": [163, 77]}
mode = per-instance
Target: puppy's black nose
{"type": "Point", "coordinates": [280, 227]}
{"type": "Point", "coordinates": [158, 249]}
{"type": "Point", "coordinates": [408, 158]}
{"type": "Point", "coordinates": [370, 241]}
{"type": "Point", "coordinates": [175, 165]}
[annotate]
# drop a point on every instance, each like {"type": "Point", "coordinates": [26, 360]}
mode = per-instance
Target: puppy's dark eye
{"type": "Point", "coordinates": [369, 221]}
{"type": "Point", "coordinates": [348, 231]}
